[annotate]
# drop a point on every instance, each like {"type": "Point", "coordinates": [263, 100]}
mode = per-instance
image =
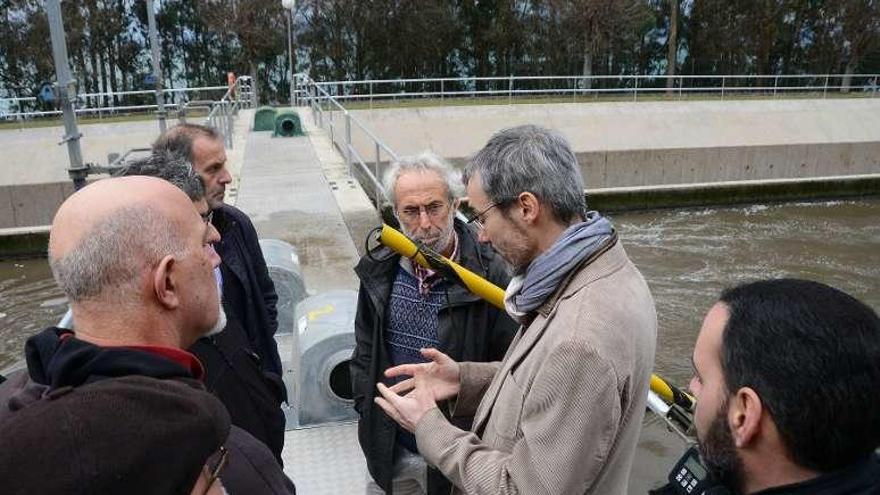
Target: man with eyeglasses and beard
{"type": "Point", "coordinates": [787, 381]}
{"type": "Point", "coordinates": [404, 308]}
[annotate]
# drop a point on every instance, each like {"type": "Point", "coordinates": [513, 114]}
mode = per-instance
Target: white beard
{"type": "Point", "coordinates": [221, 322]}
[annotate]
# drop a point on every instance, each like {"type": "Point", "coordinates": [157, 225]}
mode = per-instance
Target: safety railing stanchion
{"type": "Point", "coordinates": [348, 141]}
{"type": "Point", "coordinates": [376, 174]}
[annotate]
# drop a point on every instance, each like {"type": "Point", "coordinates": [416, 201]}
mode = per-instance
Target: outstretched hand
{"type": "Point", "coordinates": [408, 401]}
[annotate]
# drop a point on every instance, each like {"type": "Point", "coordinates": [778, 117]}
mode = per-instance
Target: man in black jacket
{"type": "Point", "coordinates": [403, 308]}
{"type": "Point", "coordinates": [786, 375]}
{"type": "Point", "coordinates": [248, 291]}
{"type": "Point", "coordinates": [135, 260]}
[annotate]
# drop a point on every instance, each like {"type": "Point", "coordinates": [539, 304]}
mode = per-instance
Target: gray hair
{"type": "Point", "coordinates": [534, 159]}
{"type": "Point", "coordinates": [107, 261]}
{"type": "Point", "coordinates": [424, 162]}
{"type": "Point", "coordinates": [170, 167]}
{"type": "Point", "coordinates": [179, 139]}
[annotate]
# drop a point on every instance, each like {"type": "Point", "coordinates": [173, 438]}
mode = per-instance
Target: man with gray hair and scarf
{"type": "Point", "coordinates": [403, 308]}
{"type": "Point", "coordinates": [562, 412]}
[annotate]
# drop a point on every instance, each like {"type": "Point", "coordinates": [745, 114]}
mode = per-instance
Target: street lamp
{"type": "Point", "coordinates": [157, 65]}
{"type": "Point", "coordinates": [289, 5]}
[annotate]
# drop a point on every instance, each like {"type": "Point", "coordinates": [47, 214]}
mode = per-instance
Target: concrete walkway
{"type": "Point", "coordinates": [298, 190]}
{"type": "Point", "coordinates": [295, 190]}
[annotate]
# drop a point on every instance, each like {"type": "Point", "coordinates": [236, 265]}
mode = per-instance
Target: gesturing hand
{"type": "Point", "coordinates": [430, 382]}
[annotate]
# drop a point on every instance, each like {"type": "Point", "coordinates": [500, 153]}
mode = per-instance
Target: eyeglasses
{"type": "Point", "coordinates": [433, 210]}
{"type": "Point", "coordinates": [208, 218]}
{"type": "Point", "coordinates": [479, 218]}
{"type": "Point", "coordinates": [215, 471]}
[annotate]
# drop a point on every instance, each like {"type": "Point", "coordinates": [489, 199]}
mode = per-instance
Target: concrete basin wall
{"type": "Point", "coordinates": [656, 143]}
{"type": "Point", "coordinates": [33, 173]}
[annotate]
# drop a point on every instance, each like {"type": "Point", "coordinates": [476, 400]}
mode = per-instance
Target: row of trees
{"type": "Point", "coordinates": [387, 39]}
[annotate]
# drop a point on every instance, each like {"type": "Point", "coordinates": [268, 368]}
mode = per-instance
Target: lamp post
{"type": "Point", "coordinates": [157, 65]}
{"type": "Point", "coordinates": [289, 5]}
{"type": "Point", "coordinates": [66, 94]}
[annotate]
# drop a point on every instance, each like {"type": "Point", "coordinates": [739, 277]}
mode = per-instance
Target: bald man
{"type": "Point", "coordinates": [136, 261]}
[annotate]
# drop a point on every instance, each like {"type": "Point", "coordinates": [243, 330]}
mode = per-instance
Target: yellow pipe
{"type": "Point", "coordinates": [471, 281]}
{"type": "Point", "coordinates": [661, 388]}
{"type": "Point", "coordinates": [402, 244]}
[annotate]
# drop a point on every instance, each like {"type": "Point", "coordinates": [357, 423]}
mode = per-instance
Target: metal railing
{"type": "Point", "coordinates": [96, 104]}
{"type": "Point", "coordinates": [327, 99]}
{"type": "Point", "coordinates": [626, 86]}
{"type": "Point", "coordinates": [222, 113]}
{"type": "Point", "coordinates": [329, 114]}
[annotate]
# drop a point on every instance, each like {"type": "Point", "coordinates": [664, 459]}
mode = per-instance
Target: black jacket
{"type": "Point", "coordinates": [233, 374]}
{"type": "Point", "coordinates": [53, 362]}
{"type": "Point", "coordinates": [252, 293]}
{"type": "Point", "coordinates": [470, 329]}
{"type": "Point", "coordinates": [861, 478]}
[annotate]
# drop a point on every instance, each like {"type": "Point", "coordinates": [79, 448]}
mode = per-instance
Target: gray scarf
{"type": "Point", "coordinates": [527, 291]}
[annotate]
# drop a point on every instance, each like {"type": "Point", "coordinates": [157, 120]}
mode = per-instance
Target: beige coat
{"type": "Point", "coordinates": [562, 413]}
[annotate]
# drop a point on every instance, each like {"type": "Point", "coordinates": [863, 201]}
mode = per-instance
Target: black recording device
{"type": "Point", "coordinates": [691, 477]}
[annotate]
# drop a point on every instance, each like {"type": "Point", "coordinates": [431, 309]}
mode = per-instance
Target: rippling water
{"type": "Point", "coordinates": [687, 256]}
{"type": "Point", "coordinates": [29, 301]}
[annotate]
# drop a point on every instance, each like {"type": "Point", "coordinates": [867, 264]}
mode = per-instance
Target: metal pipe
{"type": "Point", "coordinates": [66, 93]}
{"type": "Point", "coordinates": [157, 67]}
{"type": "Point", "coordinates": [290, 57]}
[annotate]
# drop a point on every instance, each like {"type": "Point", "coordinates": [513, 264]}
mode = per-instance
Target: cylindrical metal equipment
{"type": "Point", "coordinates": [286, 274]}
{"type": "Point", "coordinates": [323, 382]}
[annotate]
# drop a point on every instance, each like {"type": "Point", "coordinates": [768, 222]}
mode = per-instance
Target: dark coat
{"type": "Point", "coordinates": [54, 362]}
{"type": "Point", "coordinates": [239, 248]}
{"type": "Point", "coordinates": [233, 374]}
{"type": "Point", "coordinates": [470, 329]}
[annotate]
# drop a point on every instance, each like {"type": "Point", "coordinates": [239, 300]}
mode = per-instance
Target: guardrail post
{"type": "Point", "coordinates": [348, 141]}
{"type": "Point", "coordinates": [510, 90]}
{"type": "Point", "coordinates": [371, 95]}
{"type": "Point", "coordinates": [636, 88]}
{"type": "Point", "coordinates": [442, 91]}
{"type": "Point", "coordinates": [723, 80]}
{"type": "Point", "coordinates": [775, 83]}
{"type": "Point", "coordinates": [229, 126]}
{"type": "Point", "coordinates": [680, 84]}
{"type": "Point", "coordinates": [376, 174]}
{"type": "Point", "coordinates": [825, 89]}
{"type": "Point", "coordinates": [332, 129]}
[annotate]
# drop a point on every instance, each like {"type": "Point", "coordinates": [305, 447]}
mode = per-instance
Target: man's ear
{"type": "Point", "coordinates": [529, 205]}
{"type": "Point", "coordinates": [744, 416]}
{"type": "Point", "coordinates": [165, 283]}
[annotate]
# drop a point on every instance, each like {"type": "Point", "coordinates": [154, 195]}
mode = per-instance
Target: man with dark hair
{"type": "Point", "coordinates": [562, 412]}
{"type": "Point", "coordinates": [247, 283]}
{"type": "Point", "coordinates": [403, 307]}
{"type": "Point", "coordinates": [248, 291]}
{"type": "Point", "coordinates": [231, 372]}
{"type": "Point", "coordinates": [787, 381]}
